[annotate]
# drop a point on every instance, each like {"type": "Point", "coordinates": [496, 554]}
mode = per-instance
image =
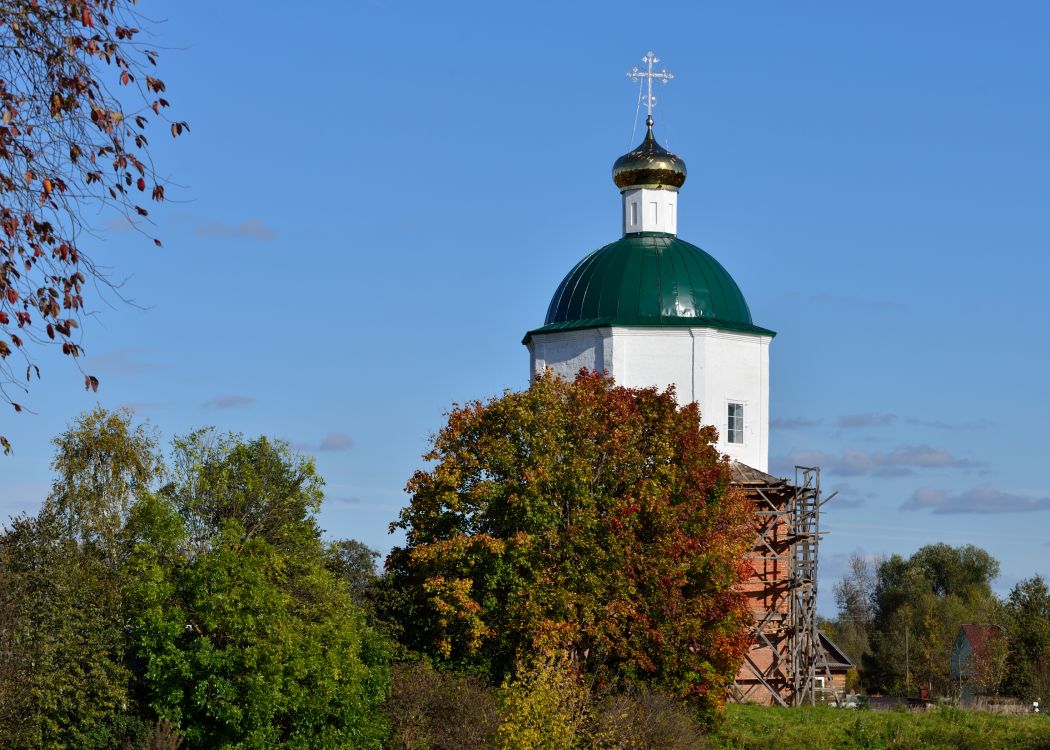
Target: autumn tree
{"type": "Point", "coordinates": [78, 97]}
{"type": "Point", "coordinates": [577, 518]}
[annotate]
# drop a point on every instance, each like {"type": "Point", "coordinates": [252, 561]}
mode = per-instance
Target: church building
{"type": "Point", "coordinates": [651, 309]}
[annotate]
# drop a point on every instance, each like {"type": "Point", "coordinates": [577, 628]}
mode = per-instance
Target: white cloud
{"type": "Point", "coordinates": [793, 423]}
{"type": "Point", "coordinates": [336, 441]}
{"type": "Point", "coordinates": [902, 461]}
{"type": "Point", "coordinates": [228, 401]}
{"type": "Point", "coordinates": [250, 229]}
{"type": "Point", "coordinates": [851, 421]}
{"type": "Point", "coordinates": [129, 360]}
{"type": "Point", "coordinates": [980, 499]}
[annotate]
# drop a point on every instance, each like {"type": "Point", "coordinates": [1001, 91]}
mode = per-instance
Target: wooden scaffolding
{"type": "Point", "coordinates": [781, 665]}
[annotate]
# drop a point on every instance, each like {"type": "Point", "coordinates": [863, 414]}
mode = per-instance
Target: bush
{"type": "Point", "coordinates": [649, 721]}
{"type": "Point", "coordinates": [430, 710]}
{"type": "Point", "coordinates": [547, 707]}
{"type": "Point", "coordinates": [161, 737]}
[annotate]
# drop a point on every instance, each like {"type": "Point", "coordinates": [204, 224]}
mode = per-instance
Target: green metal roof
{"type": "Point", "coordinates": [649, 279]}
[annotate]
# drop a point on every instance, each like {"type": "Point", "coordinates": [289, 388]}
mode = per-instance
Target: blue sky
{"type": "Point", "coordinates": [378, 199]}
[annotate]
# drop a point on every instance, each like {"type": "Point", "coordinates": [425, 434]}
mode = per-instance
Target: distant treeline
{"type": "Point", "coordinates": [899, 619]}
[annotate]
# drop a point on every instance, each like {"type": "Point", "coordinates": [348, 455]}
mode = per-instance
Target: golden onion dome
{"type": "Point", "coordinates": [649, 166]}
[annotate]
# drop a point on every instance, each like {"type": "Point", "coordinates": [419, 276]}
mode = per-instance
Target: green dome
{"type": "Point", "coordinates": [649, 279]}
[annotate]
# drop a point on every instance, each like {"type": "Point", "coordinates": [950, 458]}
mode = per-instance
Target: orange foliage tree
{"type": "Point", "coordinates": [581, 519]}
{"type": "Point", "coordinates": [77, 95]}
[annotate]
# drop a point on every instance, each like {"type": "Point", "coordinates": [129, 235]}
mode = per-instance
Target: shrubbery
{"type": "Point", "coordinates": [649, 721]}
{"type": "Point", "coordinates": [548, 706]}
{"type": "Point", "coordinates": [431, 710]}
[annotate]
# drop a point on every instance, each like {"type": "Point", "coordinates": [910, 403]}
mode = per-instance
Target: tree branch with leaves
{"type": "Point", "coordinates": [78, 96]}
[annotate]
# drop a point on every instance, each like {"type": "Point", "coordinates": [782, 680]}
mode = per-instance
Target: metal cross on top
{"type": "Point", "coordinates": [662, 76]}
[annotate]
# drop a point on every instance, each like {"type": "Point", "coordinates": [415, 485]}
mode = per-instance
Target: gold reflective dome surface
{"type": "Point", "coordinates": [650, 165]}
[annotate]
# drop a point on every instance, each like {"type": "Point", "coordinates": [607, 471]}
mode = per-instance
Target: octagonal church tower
{"type": "Point", "coordinates": [653, 310]}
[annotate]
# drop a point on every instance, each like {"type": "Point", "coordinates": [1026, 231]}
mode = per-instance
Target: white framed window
{"type": "Point", "coordinates": [634, 213]}
{"type": "Point", "coordinates": [735, 423]}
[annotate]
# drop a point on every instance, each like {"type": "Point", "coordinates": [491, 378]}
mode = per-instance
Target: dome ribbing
{"type": "Point", "coordinates": [649, 279]}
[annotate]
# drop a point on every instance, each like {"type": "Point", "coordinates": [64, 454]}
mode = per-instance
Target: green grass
{"type": "Point", "coordinates": [762, 728]}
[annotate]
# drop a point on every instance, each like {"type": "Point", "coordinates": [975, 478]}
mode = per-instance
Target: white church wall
{"type": "Point", "coordinates": [742, 377]}
{"type": "Point", "coordinates": [643, 357]}
{"type": "Point", "coordinates": [567, 352]}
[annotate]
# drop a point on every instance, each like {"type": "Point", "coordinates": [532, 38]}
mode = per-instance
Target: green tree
{"type": "Point", "coordinates": [66, 676]}
{"type": "Point", "coordinates": [245, 638]}
{"type": "Point", "coordinates": [205, 603]}
{"type": "Point", "coordinates": [104, 464]}
{"type": "Point", "coordinates": [582, 518]}
{"type": "Point", "coordinates": [918, 605]}
{"type": "Point", "coordinates": [79, 93]}
{"type": "Point", "coordinates": [355, 563]}
{"type": "Point", "coordinates": [1028, 618]}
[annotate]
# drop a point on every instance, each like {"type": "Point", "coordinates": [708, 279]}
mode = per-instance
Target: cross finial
{"type": "Point", "coordinates": [662, 76]}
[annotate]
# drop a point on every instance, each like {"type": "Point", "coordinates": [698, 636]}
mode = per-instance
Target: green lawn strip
{"type": "Point", "coordinates": [761, 727]}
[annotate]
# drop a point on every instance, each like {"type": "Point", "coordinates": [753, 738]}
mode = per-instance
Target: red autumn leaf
{"type": "Point", "coordinates": [91, 383]}
{"type": "Point", "coordinates": [12, 295]}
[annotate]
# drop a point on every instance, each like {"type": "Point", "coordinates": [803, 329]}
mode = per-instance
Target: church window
{"type": "Point", "coordinates": [634, 214]}
{"type": "Point", "coordinates": [735, 426]}
{"type": "Point", "coordinates": [655, 218]}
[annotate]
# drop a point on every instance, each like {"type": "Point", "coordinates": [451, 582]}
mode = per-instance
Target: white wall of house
{"type": "Point", "coordinates": [714, 368]}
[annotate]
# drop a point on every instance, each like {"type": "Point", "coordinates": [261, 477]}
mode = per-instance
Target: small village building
{"type": "Point", "coordinates": [975, 655]}
{"type": "Point", "coordinates": [833, 668]}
